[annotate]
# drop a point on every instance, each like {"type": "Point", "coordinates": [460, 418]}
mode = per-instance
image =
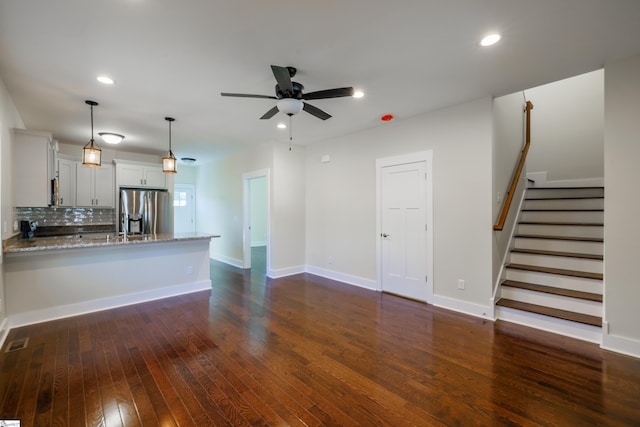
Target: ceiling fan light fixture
{"type": "Point", "coordinates": [111, 138]}
{"type": "Point", "coordinates": [289, 106]}
{"type": "Point", "coordinates": [358, 94]}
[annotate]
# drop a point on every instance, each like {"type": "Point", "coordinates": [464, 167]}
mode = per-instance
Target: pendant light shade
{"type": "Point", "coordinates": [91, 154]}
{"type": "Point", "coordinates": [169, 163]}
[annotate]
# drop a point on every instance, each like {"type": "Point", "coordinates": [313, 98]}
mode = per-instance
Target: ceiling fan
{"type": "Point", "coordinates": [291, 97]}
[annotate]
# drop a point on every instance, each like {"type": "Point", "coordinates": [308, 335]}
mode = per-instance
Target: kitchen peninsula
{"type": "Point", "coordinates": [54, 277]}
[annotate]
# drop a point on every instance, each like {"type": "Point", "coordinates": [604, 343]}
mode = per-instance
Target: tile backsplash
{"type": "Point", "coordinates": [59, 216]}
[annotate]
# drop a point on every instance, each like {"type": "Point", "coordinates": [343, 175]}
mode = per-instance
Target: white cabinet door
{"type": "Point", "coordinates": [154, 177]}
{"type": "Point", "coordinates": [94, 187]}
{"type": "Point", "coordinates": [84, 185]}
{"type": "Point", "coordinates": [104, 192]}
{"type": "Point", "coordinates": [33, 168]}
{"type": "Point", "coordinates": [130, 175]}
{"type": "Point", "coordinates": [66, 182]}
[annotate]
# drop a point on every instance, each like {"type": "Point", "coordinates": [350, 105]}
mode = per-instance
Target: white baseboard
{"type": "Point", "coordinates": [344, 278]}
{"type": "Point", "coordinates": [227, 260]}
{"type": "Point", "coordinates": [619, 344]}
{"type": "Point", "coordinates": [284, 272]}
{"type": "Point", "coordinates": [464, 307]}
{"type": "Point", "coordinates": [53, 313]}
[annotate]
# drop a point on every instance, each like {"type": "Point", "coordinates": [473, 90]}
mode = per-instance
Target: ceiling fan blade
{"type": "Point", "coordinates": [247, 95]}
{"type": "Point", "coordinates": [283, 78]}
{"type": "Point", "coordinates": [329, 93]}
{"type": "Point", "coordinates": [315, 111]}
{"type": "Point", "coordinates": [272, 112]}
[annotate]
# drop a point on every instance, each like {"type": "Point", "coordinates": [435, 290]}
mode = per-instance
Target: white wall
{"type": "Point", "coordinates": [567, 128]}
{"type": "Point", "coordinates": [341, 194]}
{"type": "Point", "coordinates": [508, 141]}
{"type": "Point", "coordinates": [219, 204]}
{"type": "Point", "coordinates": [9, 118]}
{"type": "Point", "coordinates": [219, 199]}
{"type": "Point", "coordinates": [622, 206]}
{"type": "Point", "coordinates": [258, 204]}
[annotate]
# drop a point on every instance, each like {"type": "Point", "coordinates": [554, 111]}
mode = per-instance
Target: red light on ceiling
{"type": "Point", "coordinates": [387, 117]}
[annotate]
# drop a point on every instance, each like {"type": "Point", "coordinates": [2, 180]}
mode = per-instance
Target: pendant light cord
{"type": "Point", "coordinates": [170, 152]}
{"type": "Point", "coordinates": [92, 125]}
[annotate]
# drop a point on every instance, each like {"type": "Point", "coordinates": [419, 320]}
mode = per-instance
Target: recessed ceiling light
{"type": "Point", "coordinates": [489, 40]}
{"type": "Point", "coordinates": [358, 94]}
{"type": "Point", "coordinates": [188, 160]}
{"type": "Point", "coordinates": [282, 126]}
{"type": "Point", "coordinates": [106, 80]}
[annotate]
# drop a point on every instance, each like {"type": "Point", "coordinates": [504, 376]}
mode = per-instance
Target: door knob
{"type": "Point", "coordinates": [385, 235]}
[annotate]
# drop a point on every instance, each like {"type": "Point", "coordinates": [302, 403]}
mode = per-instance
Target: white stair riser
{"type": "Point", "coordinates": [564, 204]}
{"type": "Point", "coordinates": [566, 263]}
{"type": "Point", "coordinates": [575, 305]}
{"type": "Point", "coordinates": [559, 281]}
{"type": "Point", "coordinates": [594, 248]}
{"type": "Point", "coordinates": [545, 323]}
{"type": "Point", "coordinates": [561, 230]}
{"type": "Point", "coordinates": [565, 192]}
{"type": "Point", "coordinates": [563, 216]}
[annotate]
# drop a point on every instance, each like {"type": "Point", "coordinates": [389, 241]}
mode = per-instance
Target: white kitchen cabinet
{"type": "Point", "coordinates": [66, 182]}
{"type": "Point", "coordinates": [94, 186]}
{"type": "Point", "coordinates": [33, 167]}
{"type": "Point", "coordinates": [140, 175]}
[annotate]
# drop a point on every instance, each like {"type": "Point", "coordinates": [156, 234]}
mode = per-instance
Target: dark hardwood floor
{"type": "Point", "coordinates": [304, 350]}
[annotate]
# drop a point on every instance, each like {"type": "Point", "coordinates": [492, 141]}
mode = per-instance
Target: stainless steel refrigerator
{"type": "Point", "coordinates": [145, 211]}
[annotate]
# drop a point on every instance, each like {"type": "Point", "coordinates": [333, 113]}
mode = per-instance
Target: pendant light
{"type": "Point", "coordinates": [169, 163]}
{"type": "Point", "coordinates": [91, 154]}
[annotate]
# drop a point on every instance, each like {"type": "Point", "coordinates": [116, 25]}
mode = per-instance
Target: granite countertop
{"type": "Point", "coordinates": [17, 244]}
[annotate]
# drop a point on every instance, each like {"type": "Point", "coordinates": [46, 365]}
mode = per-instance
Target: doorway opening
{"type": "Point", "coordinates": [184, 208]}
{"type": "Point", "coordinates": [256, 213]}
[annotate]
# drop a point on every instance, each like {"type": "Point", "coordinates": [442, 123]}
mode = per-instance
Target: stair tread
{"type": "Point", "coordinates": [560, 271]}
{"type": "Point", "coordinates": [589, 296]}
{"type": "Point", "coordinates": [595, 187]}
{"type": "Point", "coordinates": [562, 210]}
{"type": "Point", "coordinates": [577, 239]}
{"type": "Point", "coordinates": [585, 224]}
{"type": "Point", "coordinates": [552, 312]}
{"type": "Point", "coordinates": [558, 253]}
{"type": "Point", "coordinates": [564, 198]}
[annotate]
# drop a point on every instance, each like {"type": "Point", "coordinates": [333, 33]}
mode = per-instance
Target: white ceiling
{"type": "Point", "coordinates": [173, 58]}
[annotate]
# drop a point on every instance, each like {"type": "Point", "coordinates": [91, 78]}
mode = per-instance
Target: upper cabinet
{"type": "Point", "coordinates": [95, 186]}
{"type": "Point", "coordinates": [34, 165]}
{"type": "Point", "coordinates": [140, 175]}
{"type": "Point", "coordinates": [66, 182]}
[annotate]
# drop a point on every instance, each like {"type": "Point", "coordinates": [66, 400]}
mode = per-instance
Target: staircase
{"type": "Point", "coordinates": [554, 276]}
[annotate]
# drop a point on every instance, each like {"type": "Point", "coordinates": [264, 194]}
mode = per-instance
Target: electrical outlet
{"type": "Point", "coordinates": [189, 269]}
{"type": "Point", "coordinates": [499, 197]}
{"type": "Point", "coordinates": [460, 284]}
{"type": "Point", "coordinates": [330, 260]}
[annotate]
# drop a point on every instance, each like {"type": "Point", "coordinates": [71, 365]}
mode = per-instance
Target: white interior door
{"type": "Point", "coordinates": [404, 230]}
{"type": "Point", "coordinates": [184, 209]}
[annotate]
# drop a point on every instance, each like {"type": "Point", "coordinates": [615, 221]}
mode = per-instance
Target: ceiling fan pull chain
{"type": "Point", "coordinates": [290, 131]}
